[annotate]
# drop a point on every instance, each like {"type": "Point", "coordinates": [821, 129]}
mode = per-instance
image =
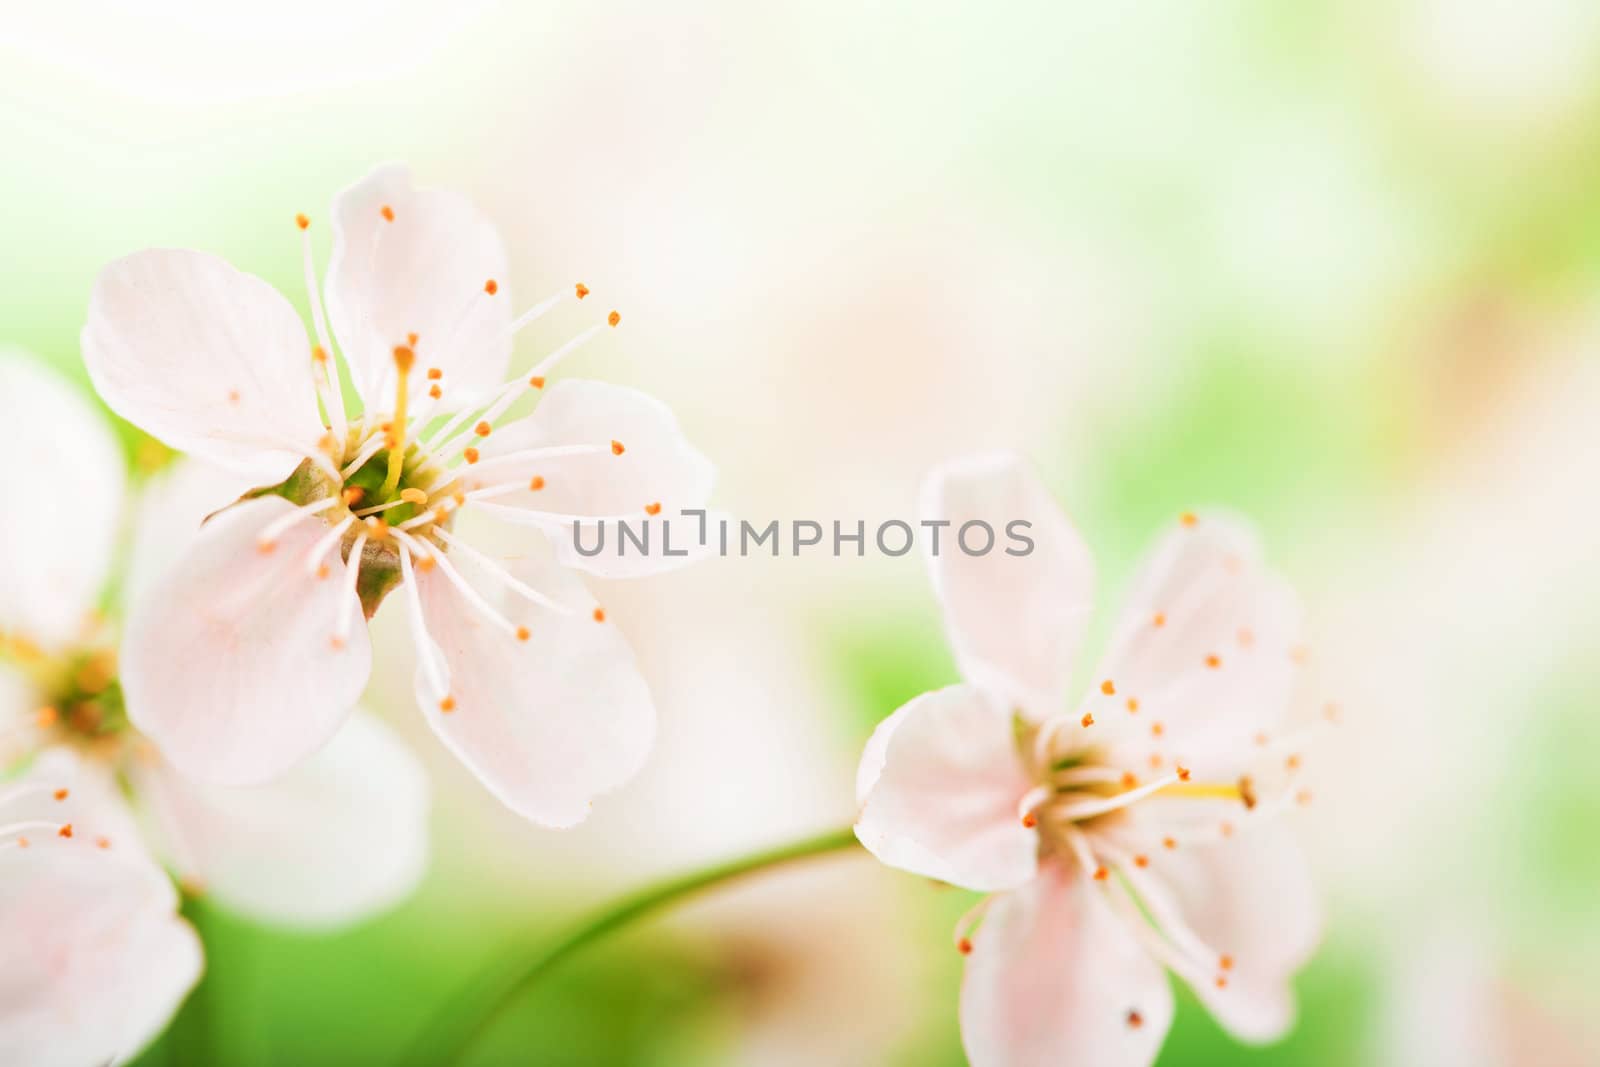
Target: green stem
{"type": "Point", "coordinates": [474, 1012]}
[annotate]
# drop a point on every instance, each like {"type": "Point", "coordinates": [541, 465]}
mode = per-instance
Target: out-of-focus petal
{"type": "Point", "coordinates": [1207, 645]}
{"type": "Point", "coordinates": [940, 784]}
{"type": "Point", "coordinates": [339, 838]}
{"type": "Point", "coordinates": [96, 958]}
{"type": "Point", "coordinates": [1014, 621]}
{"type": "Point", "coordinates": [209, 359]}
{"type": "Point", "coordinates": [172, 509]}
{"type": "Point", "coordinates": [408, 261]}
{"type": "Point", "coordinates": [64, 488]}
{"type": "Point", "coordinates": [1249, 897]}
{"type": "Point", "coordinates": [228, 665]}
{"type": "Point", "coordinates": [1056, 978]}
{"type": "Point", "coordinates": [546, 724]}
{"type": "Point", "coordinates": [648, 484]}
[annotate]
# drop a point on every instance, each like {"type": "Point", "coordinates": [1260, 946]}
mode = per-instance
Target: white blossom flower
{"type": "Point", "coordinates": [1128, 834]}
{"type": "Point", "coordinates": [96, 959]}
{"type": "Point", "coordinates": [248, 654]}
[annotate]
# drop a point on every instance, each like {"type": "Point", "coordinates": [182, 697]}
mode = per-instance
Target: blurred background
{"type": "Point", "coordinates": [1333, 265]}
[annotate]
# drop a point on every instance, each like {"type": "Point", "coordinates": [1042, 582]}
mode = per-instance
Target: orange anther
{"type": "Point", "coordinates": [1183, 772]}
{"type": "Point", "coordinates": [102, 842]}
{"type": "Point", "coordinates": [1133, 705]}
{"type": "Point", "coordinates": [537, 381]}
{"type": "Point", "coordinates": [1226, 963]}
{"type": "Point", "coordinates": [1222, 982]}
{"type": "Point", "coordinates": [1141, 860]}
{"type": "Point", "coordinates": [434, 374]}
{"type": "Point", "coordinates": [65, 831]}
{"type": "Point", "coordinates": [1030, 820]}
{"type": "Point", "coordinates": [1169, 843]}
{"type": "Point", "coordinates": [1135, 1020]}
{"type": "Point", "coordinates": [1213, 661]}
{"type": "Point", "coordinates": [404, 357]}
{"type": "Point", "coordinates": [266, 547]}
{"type": "Point", "coordinates": [413, 495]}
{"type": "Point", "coordinates": [22, 842]}
{"type": "Point", "coordinates": [491, 287]}
{"type": "Point", "coordinates": [435, 392]}
{"type": "Point", "coordinates": [1247, 792]}
{"type": "Point", "coordinates": [1107, 687]}
{"type": "Point", "coordinates": [1156, 729]}
{"type": "Point", "coordinates": [45, 717]}
{"type": "Point", "coordinates": [964, 946]}
{"type": "Point", "coordinates": [616, 448]}
{"type": "Point", "coordinates": [352, 495]}
{"type": "Point", "coordinates": [582, 290]}
{"type": "Point", "coordinates": [523, 633]}
{"type": "Point", "coordinates": [447, 705]}
{"type": "Point", "coordinates": [613, 318]}
{"type": "Point", "coordinates": [319, 353]}
{"type": "Point", "coordinates": [653, 509]}
{"type": "Point", "coordinates": [483, 429]}
{"type": "Point", "coordinates": [1130, 780]}
{"type": "Point", "coordinates": [60, 794]}
{"type": "Point", "coordinates": [387, 212]}
{"type": "Point", "coordinates": [1087, 720]}
{"type": "Point", "coordinates": [1188, 518]}
{"type": "Point", "coordinates": [1101, 874]}
{"type": "Point", "coordinates": [599, 614]}
{"type": "Point", "coordinates": [1159, 620]}
{"type": "Point", "coordinates": [470, 455]}
{"type": "Point", "coordinates": [322, 571]}
{"type": "Point", "coordinates": [411, 339]}
{"type": "Point", "coordinates": [1292, 762]}
{"type": "Point", "coordinates": [536, 483]}
{"type": "Point", "coordinates": [426, 563]}
{"type": "Point", "coordinates": [378, 525]}
{"type": "Point", "coordinates": [302, 221]}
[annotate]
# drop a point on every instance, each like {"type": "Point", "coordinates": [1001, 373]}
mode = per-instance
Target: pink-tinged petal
{"type": "Point", "coordinates": [408, 261]}
{"type": "Point", "coordinates": [1252, 898]}
{"type": "Point", "coordinates": [341, 837]}
{"type": "Point", "coordinates": [548, 723]}
{"type": "Point", "coordinates": [633, 464]}
{"type": "Point", "coordinates": [1207, 644]}
{"type": "Point", "coordinates": [64, 489]}
{"type": "Point", "coordinates": [939, 786]}
{"type": "Point", "coordinates": [1055, 977]}
{"type": "Point", "coordinates": [172, 509]}
{"type": "Point", "coordinates": [61, 788]}
{"type": "Point", "coordinates": [229, 664]}
{"type": "Point", "coordinates": [209, 359]}
{"type": "Point", "coordinates": [97, 960]}
{"type": "Point", "coordinates": [1014, 621]}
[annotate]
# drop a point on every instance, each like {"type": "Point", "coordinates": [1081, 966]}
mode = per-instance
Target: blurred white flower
{"type": "Point", "coordinates": [338, 840]}
{"type": "Point", "coordinates": [1102, 878]}
{"type": "Point", "coordinates": [97, 959]}
{"type": "Point", "coordinates": [262, 611]}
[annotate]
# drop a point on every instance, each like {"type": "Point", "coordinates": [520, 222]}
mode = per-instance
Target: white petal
{"type": "Point", "coordinates": [92, 803]}
{"type": "Point", "coordinates": [1014, 621]}
{"type": "Point", "coordinates": [1219, 667]}
{"type": "Point", "coordinates": [1249, 897]}
{"type": "Point", "coordinates": [422, 273]}
{"type": "Point", "coordinates": [228, 664]}
{"type": "Point", "coordinates": [96, 958]}
{"type": "Point", "coordinates": [209, 359]}
{"type": "Point", "coordinates": [1055, 978]}
{"type": "Point", "coordinates": [339, 838]}
{"type": "Point", "coordinates": [940, 782]}
{"type": "Point", "coordinates": [173, 507]}
{"type": "Point", "coordinates": [657, 467]}
{"type": "Point", "coordinates": [64, 488]}
{"type": "Point", "coordinates": [546, 724]}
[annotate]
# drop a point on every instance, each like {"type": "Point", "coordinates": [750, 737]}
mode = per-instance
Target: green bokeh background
{"type": "Point", "coordinates": [1340, 246]}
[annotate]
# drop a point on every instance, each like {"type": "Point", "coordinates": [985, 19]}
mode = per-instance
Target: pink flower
{"type": "Point", "coordinates": [248, 654]}
{"type": "Point", "coordinates": [1130, 833]}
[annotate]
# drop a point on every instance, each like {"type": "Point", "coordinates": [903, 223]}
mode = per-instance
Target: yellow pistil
{"type": "Point", "coordinates": [1203, 790]}
{"type": "Point", "coordinates": [404, 357]}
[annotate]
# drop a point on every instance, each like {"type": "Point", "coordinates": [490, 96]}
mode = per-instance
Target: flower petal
{"type": "Point", "coordinates": [1014, 621]}
{"type": "Point", "coordinates": [1207, 645]}
{"type": "Point", "coordinates": [939, 784]}
{"type": "Point", "coordinates": [1054, 977]}
{"type": "Point", "coordinates": [209, 359]}
{"type": "Point", "coordinates": [341, 837]}
{"type": "Point", "coordinates": [97, 959]}
{"type": "Point", "coordinates": [546, 724]}
{"type": "Point", "coordinates": [657, 472]}
{"type": "Point", "coordinates": [58, 543]}
{"type": "Point", "coordinates": [172, 508]}
{"type": "Point", "coordinates": [228, 664]}
{"type": "Point", "coordinates": [1251, 897]}
{"type": "Point", "coordinates": [417, 262]}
